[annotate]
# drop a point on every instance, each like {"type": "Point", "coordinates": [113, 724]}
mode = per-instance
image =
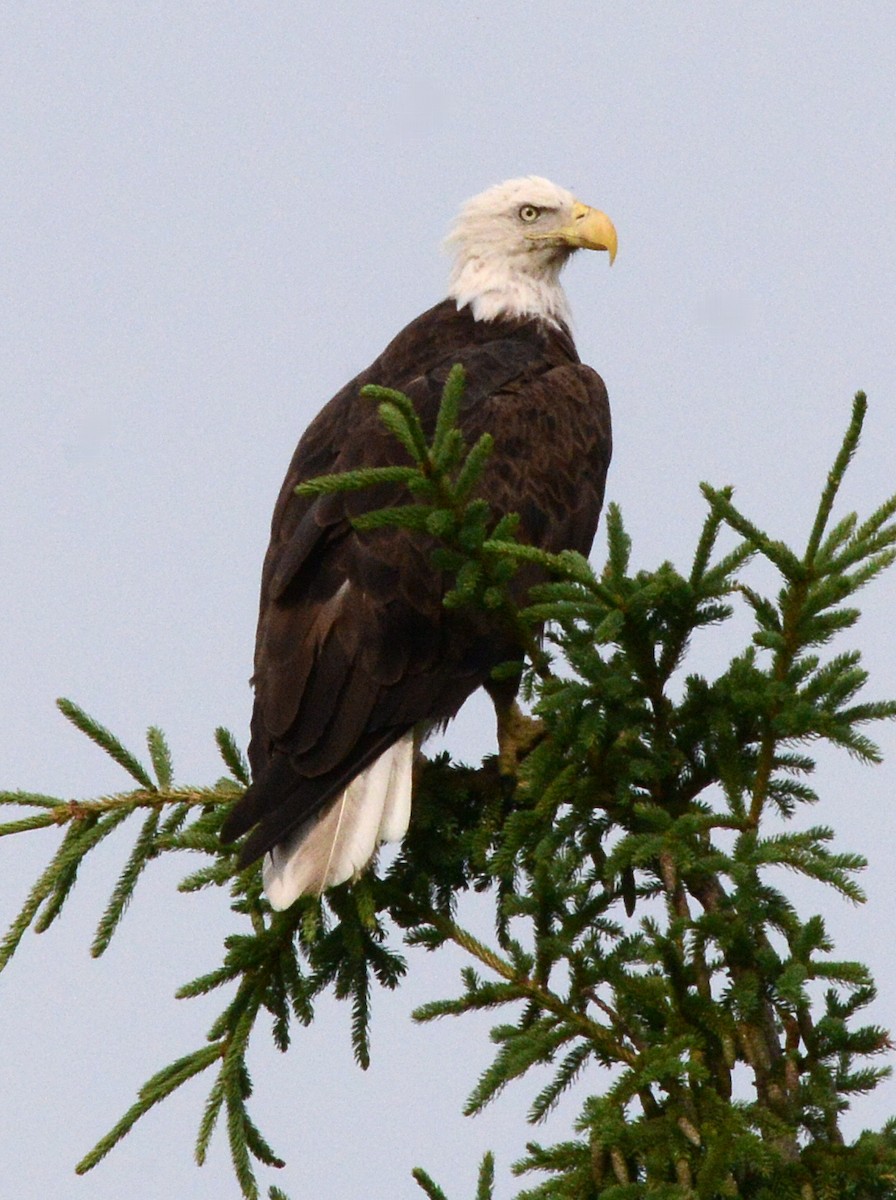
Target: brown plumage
{"type": "Point", "coordinates": [354, 647]}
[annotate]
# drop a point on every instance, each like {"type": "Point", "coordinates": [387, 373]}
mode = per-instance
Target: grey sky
{"type": "Point", "coordinates": [212, 216]}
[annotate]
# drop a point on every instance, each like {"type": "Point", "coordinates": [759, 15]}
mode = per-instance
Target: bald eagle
{"type": "Point", "coordinates": [355, 652]}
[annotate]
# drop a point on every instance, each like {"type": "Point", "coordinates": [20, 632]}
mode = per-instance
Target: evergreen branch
{"type": "Point", "coordinates": [872, 537]}
{"type": "Point", "coordinates": [106, 741]}
{"type": "Point", "coordinates": [357, 480]}
{"type": "Point", "coordinates": [67, 812]}
{"type": "Point", "coordinates": [835, 476]}
{"type": "Point", "coordinates": [776, 552]}
{"type": "Point", "coordinates": [533, 1043]}
{"type": "Point", "coordinates": [209, 1120]}
{"type": "Point", "coordinates": [79, 839]}
{"type": "Point", "coordinates": [841, 533]}
{"type": "Point", "coordinates": [237, 1087]}
{"type": "Point", "coordinates": [232, 755]}
{"type": "Point", "coordinates": [162, 1084]}
{"type": "Point", "coordinates": [29, 799]}
{"type": "Point", "coordinates": [708, 537]}
{"type": "Point", "coordinates": [570, 1069]}
{"type": "Point", "coordinates": [39, 892]}
{"type": "Point", "coordinates": [468, 475]}
{"type": "Point", "coordinates": [144, 848]}
{"type": "Point", "coordinates": [38, 821]}
{"type": "Point", "coordinates": [417, 517]}
{"type": "Point", "coordinates": [160, 756]}
{"type": "Point", "coordinates": [568, 564]}
{"type": "Point", "coordinates": [174, 821]}
{"type": "Point", "coordinates": [90, 822]}
{"type": "Point", "coordinates": [524, 987]}
{"type": "Point", "coordinates": [449, 410]}
{"type": "Point", "coordinates": [428, 1185]}
{"type": "Point", "coordinates": [385, 395]}
{"type": "Point", "coordinates": [619, 546]}
{"type": "Point", "coordinates": [405, 428]}
{"type": "Point", "coordinates": [486, 1181]}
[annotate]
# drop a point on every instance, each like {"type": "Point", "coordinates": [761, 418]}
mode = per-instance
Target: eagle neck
{"type": "Point", "coordinates": [509, 289]}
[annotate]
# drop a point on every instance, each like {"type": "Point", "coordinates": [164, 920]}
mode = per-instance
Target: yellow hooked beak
{"type": "Point", "coordinates": [589, 229]}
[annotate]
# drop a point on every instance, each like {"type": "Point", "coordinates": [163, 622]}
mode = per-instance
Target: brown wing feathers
{"type": "Point", "coordinates": [354, 647]}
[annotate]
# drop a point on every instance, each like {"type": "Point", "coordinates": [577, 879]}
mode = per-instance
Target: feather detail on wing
{"type": "Point", "coordinates": [338, 843]}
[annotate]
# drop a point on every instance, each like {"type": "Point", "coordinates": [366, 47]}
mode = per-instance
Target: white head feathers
{"type": "Point", "coordinates": [509, 249]}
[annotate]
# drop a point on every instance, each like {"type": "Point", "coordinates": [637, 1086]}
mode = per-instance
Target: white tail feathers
{"type": "Point", "coordinates": [341, 840]}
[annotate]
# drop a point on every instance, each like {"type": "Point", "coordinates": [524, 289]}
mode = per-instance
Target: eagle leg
{"type": "Point", "coordinates": [518, 735]}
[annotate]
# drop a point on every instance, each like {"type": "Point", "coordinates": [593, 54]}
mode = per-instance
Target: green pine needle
{"type": "Point", "coordinates": [106, 741]}
{"type": "Point", "coordinates": [355, 481]}
{"type": "Point", "coordinates": [161, 1085]}
{"type": "Point", "coordinates": [449, 409]}
{"type": "Point", "coordinates": [486, 1181]}
{"type": "Point", "coordinates": [160, 756]}
{"type": "Point", "coordinates": [835, 476]}
{"type": "Point", "coordinates": [428, 1185]}
{"type": "Point", "coordinates": [144, 849]}
{"type": "Point", "coordinates": [232, 755]}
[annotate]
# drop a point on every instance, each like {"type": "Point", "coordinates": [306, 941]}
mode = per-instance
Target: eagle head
{"type": "Point", "coordinates": [510, 244]}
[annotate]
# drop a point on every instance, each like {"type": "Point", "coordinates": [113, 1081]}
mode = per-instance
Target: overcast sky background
{"type": "Point", "coordinates": [213, 215]}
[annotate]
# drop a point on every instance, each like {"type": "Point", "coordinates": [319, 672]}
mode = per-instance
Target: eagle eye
{"type": "Point", "coordinates": [529, 213]}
